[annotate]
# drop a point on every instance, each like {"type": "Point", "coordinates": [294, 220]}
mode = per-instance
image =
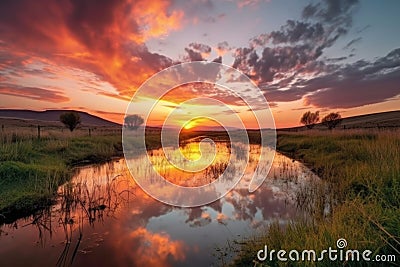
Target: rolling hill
{"type": "Point", "coordinates": [375, 120]}
{"type": "Point", "coordinates": [52, 116]}
{"type": "Point", "coordinates": [389, 119]}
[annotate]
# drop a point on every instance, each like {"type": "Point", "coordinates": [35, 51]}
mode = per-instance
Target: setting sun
{"type": "Point", "coordinates": [189, 125]}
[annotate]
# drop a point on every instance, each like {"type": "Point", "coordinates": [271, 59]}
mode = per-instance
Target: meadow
{"type": "Point", "coordinates": [359, 201]}
{"type": "Point", "coordinates": [32, 168]}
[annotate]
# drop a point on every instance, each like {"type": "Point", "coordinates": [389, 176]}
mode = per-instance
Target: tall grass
{"type": "Point", "coordinates": [362, 172]}
{"type": "Point", "coordinates": [16, 130]}
{"type": "Point", "coordinates": [31, 169]}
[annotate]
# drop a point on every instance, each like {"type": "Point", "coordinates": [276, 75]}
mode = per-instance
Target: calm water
{"type": "Point", "coordinates": [103, 219]}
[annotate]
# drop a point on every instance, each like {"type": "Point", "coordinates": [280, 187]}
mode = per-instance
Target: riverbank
{"type": "Point", "coordinates": [32, 169]}
{"type": "Point", "coordinates": [361, 169]}
{"type": "Point", "coordinates": [362, 190]}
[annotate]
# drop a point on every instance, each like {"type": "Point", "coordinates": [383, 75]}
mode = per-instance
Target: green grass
{"type": "Point", "coordinates": [362, 174]}
{"type": "Point", "coordinates": [361, 170]}
{"type": "Point", "coordinates": [32, 169]}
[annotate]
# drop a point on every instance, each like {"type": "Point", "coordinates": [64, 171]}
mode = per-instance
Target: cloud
{"type": "Point", "coordinates": [337, 59]}
{"type": "Point", "coordinates": [323, 23]}
{"type": "Point", "coordinates": [116, 96]}
{"type": "Point", "coordinates": [341, 86]}
{"type": "Point", "coordinates": [193, 55]}
{"type": "Point", "coordinates": [247, 3]}
{"type": "Point", "coordinates": [164, 250]}
{"type": "Point", "coordinates": [279, 95]}
{"type": "Point", "coordinates": [223, 48]}
{"type": "Point", "coordinates": [108, 112]}
{"type": "Point", "coordinates": [108, 40]}
{"type": "Point", "coordinates": [275, 55]}
{"type": "Point", "coordinates": [103, 37]}
{"type": "Point", "coordinates": [196, 11]}
{"type": "Point", "coordinates": [273, 61]}
{"type": "Point", "coordinates": [357, 84]}
{"type": "Point", "coordinates": [34, 93]}
{"type": "Point", "coordinates": [358, 31]}
{"type": "Point", "coordinates": [218, 60]}
{"type": "Point", "coordinates": [197, 52]}
{"type": "Point", "coordinates": [344, 86]}
{"type": "Point", "coordinates": [195, 90]}
{"type": "Point", "coordinates": [203, 48]}
{"type": "Point", "coordinates": [295, 31]}
{"type": "Point", "coordinates": [283, 61]}
{"type": "Point", "coordinates": [352, 42]}
{"type": "Point", "coordinates": [331, 11]}
{"type": "Point", "coordinates": [11, 61]}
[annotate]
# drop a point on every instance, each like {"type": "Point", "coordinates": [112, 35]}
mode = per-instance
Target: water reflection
{"type": "Point", "coordinates": [103, 219]}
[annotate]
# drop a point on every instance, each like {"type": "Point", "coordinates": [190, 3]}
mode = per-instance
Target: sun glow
{"type": "Point", "coordinates": [188, 125]}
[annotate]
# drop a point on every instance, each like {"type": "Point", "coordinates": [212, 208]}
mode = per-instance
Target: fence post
{"type": "Point", "coordinates": [90, 132]}
{"type": "Point", "coordinates": [38, 131]}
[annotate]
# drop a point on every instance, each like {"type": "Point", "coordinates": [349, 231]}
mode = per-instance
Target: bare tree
{"type": "Point", "coordinates": [309, 119]}
{"type": "Point", "coordinates": [133, 121]}
{"type": "Point", "coordinates": [70, 120]}
{"type": "Point", "coordinates": [332, 120]}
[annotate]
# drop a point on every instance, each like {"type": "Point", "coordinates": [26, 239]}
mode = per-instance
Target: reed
{"type": "Point", "coordinates": [361, 173]}
{"type": "Point", "coordinates": [31, 169]}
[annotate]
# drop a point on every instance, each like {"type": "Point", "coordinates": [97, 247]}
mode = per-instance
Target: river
{"type": "Point", "coordinates": [102, 218]}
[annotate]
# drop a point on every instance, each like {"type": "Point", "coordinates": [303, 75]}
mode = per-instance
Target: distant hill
{"type": "Point", "coordinates": [53, 116]}
{"type": "Point", "coordinates": [376, 120]}
{"type": "Point", "coordinates": [383, 119]}
{"type": "Point", "coordinates": [387, 119]}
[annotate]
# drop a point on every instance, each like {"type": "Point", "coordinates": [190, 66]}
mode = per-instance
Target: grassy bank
{"type": "Point", "coordinates": [361, 170]}
{"type": "Point", "coordinates": [32, 169]}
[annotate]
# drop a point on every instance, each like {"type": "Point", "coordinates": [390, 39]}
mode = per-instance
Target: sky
{"type": "Point", "coordinates": [329, 55]}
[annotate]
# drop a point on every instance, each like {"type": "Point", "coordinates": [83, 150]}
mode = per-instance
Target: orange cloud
{"type": "Point", "coordinates": [102, 38]}
{"type": "Point", "coordinates": [162, 23]}
{"type": "Point", "coordinates": [33, 93]}
{"type": "Point", "coordinates": [155, 249]}
{"type": "Point", "coordinates": [222, 48]}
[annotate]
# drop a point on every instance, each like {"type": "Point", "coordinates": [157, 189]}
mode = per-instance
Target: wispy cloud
{"type": "Point", "coordinates": [247, 3]}
{"type": "Point", "coordinates": [352, 42]}
{"type": "Point", "coordinates": [35, 93]}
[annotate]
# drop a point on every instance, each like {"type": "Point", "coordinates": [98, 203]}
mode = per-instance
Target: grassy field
{"type": "Point", "coordinates": [31, 169]}
{"type": "Point", "coordinates": [361, 170]}
{"type": "Point", "coordinates": [359, 201]}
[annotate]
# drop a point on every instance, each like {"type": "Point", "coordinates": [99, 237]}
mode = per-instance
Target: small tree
{"type": "Point", "coordinates": [309, 119]}
{"type": "Point", "coordinates": [70, 120]}
{"type": "Point", "coordinates": [332, 120]}
{"type": "Point", "coordinates": [133, 121]}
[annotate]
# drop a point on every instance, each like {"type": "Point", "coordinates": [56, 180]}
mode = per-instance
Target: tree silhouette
{"type": "Point", "coordinates": [70, 120]}
{"type": "Point", "coordinates": [332, 120]}
{"type": "Point", "coordinates": [133, 121]}
{"type": "Point", "coordinates": [309, 119]}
